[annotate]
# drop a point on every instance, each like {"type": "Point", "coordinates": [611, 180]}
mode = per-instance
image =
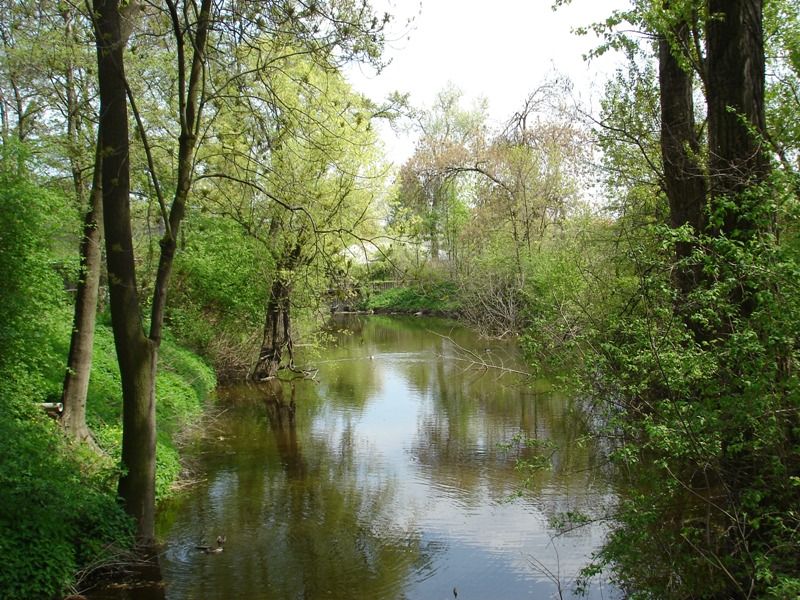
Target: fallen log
{"type": "Point", "coordinates": [50, 407]}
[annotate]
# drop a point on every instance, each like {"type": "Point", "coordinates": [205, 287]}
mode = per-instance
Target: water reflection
{"type": "Point", "coordinates": [384, 479]}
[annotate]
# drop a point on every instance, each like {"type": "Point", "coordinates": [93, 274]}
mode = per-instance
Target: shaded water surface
{"type": "Point", "coordinates": [386, 478]}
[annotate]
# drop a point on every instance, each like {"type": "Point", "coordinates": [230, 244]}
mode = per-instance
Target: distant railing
{"type": "Point", "coordinates": [381, 286]}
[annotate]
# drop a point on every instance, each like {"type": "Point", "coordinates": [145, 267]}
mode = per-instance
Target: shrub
{"type": "Point", "coordinates": [705, 405]}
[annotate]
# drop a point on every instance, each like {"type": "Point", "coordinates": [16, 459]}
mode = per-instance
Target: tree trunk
{"type": "Point", "coordinates": [684, 179]}
{"type": "Point", "coordinates": [736, 117]}
{"type": "Point", "coordinates": [190, 112]}
{"type": "Point", "coordinates": [277, 332]}
{"type": "Point", "coordinates": [136, 354]}
{"type": "Point", "coordinates": [79, 363]}
{"type": "Point", "coordinates": [277, 337]}
{"type": "Point", "coordinates": [433, 219]}
{"type": "Point", "coordinates": [737, 126]}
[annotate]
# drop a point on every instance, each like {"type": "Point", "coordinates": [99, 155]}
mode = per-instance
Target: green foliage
{"type": "Point", "coordinates": [183, 383]}
{"type": "Point", "coordinates": [566, 287]}
{"type": "Point", "coordinates": [58, 507]}
{"type": "Point", "coordinates": [58, 512]}
{"type": "Point", "coordinates": [192, 371]}
{"type": "Point", "coordinates": [105, 389]}
{"type": "Point", "coordinates": [168, 465]}
{"type": "Point", "coordinates": [32, 297]}
{"type": "Point", "coordinates": [221, 280]}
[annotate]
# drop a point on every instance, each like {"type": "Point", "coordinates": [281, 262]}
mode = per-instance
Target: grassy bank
{"type": "Point", "coordinates": [183, 383]}
{"type": "Point", "coordinates": [434, 299]}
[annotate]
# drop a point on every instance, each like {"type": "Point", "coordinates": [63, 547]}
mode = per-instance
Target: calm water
{"type": "Point", "coordinates": [385, 479]}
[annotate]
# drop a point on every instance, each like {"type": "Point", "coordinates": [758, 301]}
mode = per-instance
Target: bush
{"type": "Point", "coordinates": [221, 281]}
{"type": "Point", "coordinates": [33, 302]}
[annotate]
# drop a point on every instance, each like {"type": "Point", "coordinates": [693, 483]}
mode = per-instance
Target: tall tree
{"type": "Point", "coordinates": [737, 131]}
{"type": "Point", "coordinates": [681, 148]}
{"type": "Point", "coordinates": [302, 171]}
{"type": "Point", "coordinates": [136, 353]}
{"type": "Point", "coordinates": [330, 32]}
{"type": "Point", "coordinates": [47, 67]}
{"type": "Point", "coordinates": [709, 397]}
{"type": "Point", "coordinates": [79, 360]}
{"type": "Point", "coordinates": [733, 76]}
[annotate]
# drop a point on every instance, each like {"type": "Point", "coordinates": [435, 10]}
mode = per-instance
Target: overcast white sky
{"type": "Point", "coordinates": [499, 49]}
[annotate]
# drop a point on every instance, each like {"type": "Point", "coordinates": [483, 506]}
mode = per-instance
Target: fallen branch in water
{"type": "Point", "coordinates": [478, 360]}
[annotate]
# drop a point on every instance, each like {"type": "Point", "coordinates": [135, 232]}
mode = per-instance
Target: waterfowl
{"type": "Point", "coordinates": [216, 550]}
{"type": "Point", "coordinates": [221, 539]}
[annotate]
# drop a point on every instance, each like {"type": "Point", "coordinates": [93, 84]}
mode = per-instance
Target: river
{"type": "Point", "coordinates": [392, 475]}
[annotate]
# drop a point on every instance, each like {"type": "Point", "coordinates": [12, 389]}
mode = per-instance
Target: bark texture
{"type": "Point", "coordinates": [277, 340]}
{"type": "Point", "coordinates": [79, 362]}
{"type": "Point", "coordinates": [136, 353]}
{"type": "Point", "coordinates": [737, 127]}
{"type": "Point", "coordinates": [681, 154]}
{"type": "Point", "coordinates": [736, 116]}
{"type": "Point", "coordinates": [733, 74]}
